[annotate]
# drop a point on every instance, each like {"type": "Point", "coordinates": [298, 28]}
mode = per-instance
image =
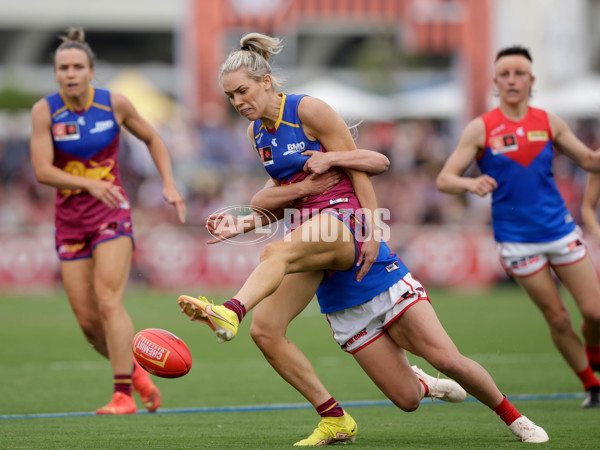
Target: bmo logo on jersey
{"type": "Point", "coordinates": [67, 131]}
{"type": "Point", "coordinates": [297, 147]}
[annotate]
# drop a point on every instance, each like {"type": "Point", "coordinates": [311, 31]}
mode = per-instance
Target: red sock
{"type": "Point", "coordinates": [507, 412]}
{"type": "Point", "coordinates": [237, 307]}
{"type": "Point", "coordinates": [588, 378]}
{"type": "Point", "coordinates": [330, 408]}
{"type": "Point", "coordinates": [593, 354]}
{"type": "Point", "coordinates": [426, 388]}
{"type": "Point", "coordinates": [123, 384]}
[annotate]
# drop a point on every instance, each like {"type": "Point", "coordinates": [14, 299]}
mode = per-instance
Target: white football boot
{"type": "Point", "coordinates": [528, 431]}
{"type": "Point", "coordinates": [441, 388]}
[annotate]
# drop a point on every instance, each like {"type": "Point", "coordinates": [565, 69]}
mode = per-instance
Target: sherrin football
{"type": "Point", "coordinates": [161, 353]}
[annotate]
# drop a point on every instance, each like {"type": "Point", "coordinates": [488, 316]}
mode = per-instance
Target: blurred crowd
{"type": "Point", "coordinates": [215, 167]}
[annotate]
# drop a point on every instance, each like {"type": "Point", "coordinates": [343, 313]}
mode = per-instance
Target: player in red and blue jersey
{"type": "Point", "coordinates": [74, 146]}
{"type": "Point", "coordinates": [514, 145]}
{"type": "Point", "coordinates": [376, 309]}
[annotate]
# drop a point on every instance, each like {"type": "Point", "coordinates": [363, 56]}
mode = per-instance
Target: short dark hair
{"type": "Point", "coordinates": [514, 50]}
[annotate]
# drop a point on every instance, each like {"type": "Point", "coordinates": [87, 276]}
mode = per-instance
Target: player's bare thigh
{"type": "Point", "coordinates": [420, 332]}
{"type": "Point", "coordinates": [77, 276]}
{"type": "Point", "coordinates": [323, 242]}
{"type": "Point", "coordinates": [581, 280]}
{"type": "Point", "coordinates": [112, 264]}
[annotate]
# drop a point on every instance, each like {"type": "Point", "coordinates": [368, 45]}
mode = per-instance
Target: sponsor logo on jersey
{"type": "Point", "coordinates": [504, 143]}
{"type": "Point", "coordinates": [520, 131]}
{"type": "Point", "coordinates": [274, 142]}
{"type": "Point", "coordinates": [66, 131]}
{"type": "Point", "coordinates": [101, 126]}
{"type": "Point", "coordinates": [498, 129]}
{"type": "Point", "coordinates": [266, 155]}
{"type": "Point", "coordinates": [537, 136]}
{"type": "Point", "coordinates": [393, 266]}
{"type": "Point", "coordinates": [81, 121]}
{"type": "Point", "coordinates": [297, 147]}
{"type": "Point", "coordinates": [62, 114]}
{"type": "Point", "coordinates": [335, 201]}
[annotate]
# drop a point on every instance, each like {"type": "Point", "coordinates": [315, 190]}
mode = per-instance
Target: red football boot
{"type": "Point", "coordinates": [144, 386]}
{"type": "Point", "coordinates": [120, 404]}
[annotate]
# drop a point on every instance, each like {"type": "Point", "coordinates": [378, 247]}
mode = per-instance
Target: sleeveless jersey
{"type": "Point", "coordinates": [280, 150]}
{"type": "Point", "coordinates": [86, 143]}
{"type": "Point", "coordinates": [340, 290]}
{"type": "Point", "coordinates": [527, 206]}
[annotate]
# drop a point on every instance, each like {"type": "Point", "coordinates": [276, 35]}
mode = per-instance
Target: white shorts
{"type": "Point", "coordinates": [525, 259]}
{"type": "Point", "coordinates": [356, 327]}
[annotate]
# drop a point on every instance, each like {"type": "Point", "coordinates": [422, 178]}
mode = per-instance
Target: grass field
{"type": "Point", "coordinates": [233, 399]}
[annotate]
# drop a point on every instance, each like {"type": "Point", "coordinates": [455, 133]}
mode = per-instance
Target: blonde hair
{"type": "Point", "coordinates": [75, 38]}
{"type": "Point", "coordinates": [254, 54]}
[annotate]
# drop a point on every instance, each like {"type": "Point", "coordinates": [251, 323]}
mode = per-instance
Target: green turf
{"type": "Point", "coordinates": [47, 367]}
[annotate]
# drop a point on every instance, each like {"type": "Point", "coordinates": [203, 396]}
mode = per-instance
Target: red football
{"type": "Point", "coordinates": [161, 353]}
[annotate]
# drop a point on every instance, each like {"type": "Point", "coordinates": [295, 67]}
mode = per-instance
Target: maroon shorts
{"type": "Point", "coordinates": [75, 244]}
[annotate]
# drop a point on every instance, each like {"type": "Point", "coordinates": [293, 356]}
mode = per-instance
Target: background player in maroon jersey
{"type": "Point", "coordinates": [74, 147]}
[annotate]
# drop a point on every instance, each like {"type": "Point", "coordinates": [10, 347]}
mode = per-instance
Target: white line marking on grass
{"type": "Point", "coordinates": [285, 406]}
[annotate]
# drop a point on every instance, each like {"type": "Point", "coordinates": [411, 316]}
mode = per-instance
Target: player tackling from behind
{"type": "Point", "coordinates": [535, 234]}
{"type": "Point", "coordinates": [74, 145]}
{"type": "Point", "coordinates": [377, 313]}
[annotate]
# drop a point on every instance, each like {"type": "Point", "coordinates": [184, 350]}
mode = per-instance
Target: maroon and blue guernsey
{"type": "Point", "coordinates": [280, 150]}
{"type": "Point", "coordinates": [86, 143]}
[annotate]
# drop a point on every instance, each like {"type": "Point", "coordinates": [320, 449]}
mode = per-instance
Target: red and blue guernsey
{"type": "Point", "coordinates": [86, 143]}
{"type": "Point", "coordinates": [280, 150]}
{"type": "Point", "coordinates": [527, 206]}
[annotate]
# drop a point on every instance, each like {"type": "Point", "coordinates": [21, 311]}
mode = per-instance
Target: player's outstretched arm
{"type": "Point", "coordinates": [140, 128]}
{"type": "Point", "coordinates": [274, 197]}
{"type": "Point", "coordinates": [373, 163]}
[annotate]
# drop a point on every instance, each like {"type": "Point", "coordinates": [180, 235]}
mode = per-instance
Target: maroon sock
{"type": "Point", "coordinates": [237, 307]}
{"type": "Point", "coordinates": [588, 378]}
{"type": "Point", "coordinates": [507, 411]}
{"type": "Point", "coordinates": [330, 408]}
{"type": "Point", "coordinates": [593, 354]}
{"type": "Point", "coordinates": [123, 384]}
